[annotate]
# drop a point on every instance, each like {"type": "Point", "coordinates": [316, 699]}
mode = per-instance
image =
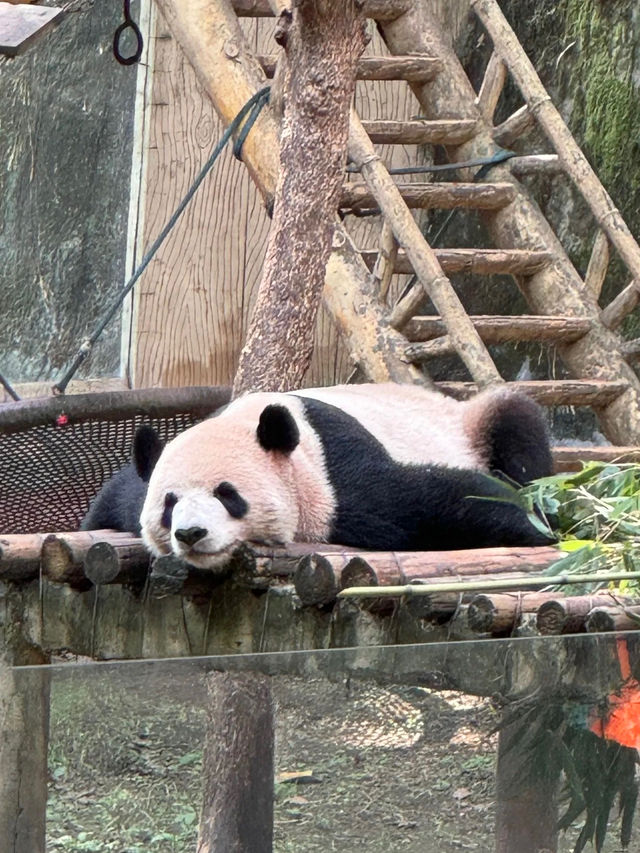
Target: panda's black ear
{"type": "Point", "coordinates": [277, 430]}
{"type": "Point", "coordinates": [147, 448]}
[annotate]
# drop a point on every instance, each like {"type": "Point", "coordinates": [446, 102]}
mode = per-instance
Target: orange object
{"type": "Point", "coordinates": [622, 720]}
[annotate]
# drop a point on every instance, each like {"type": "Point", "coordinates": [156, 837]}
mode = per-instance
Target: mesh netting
{"type": "Point", "coordinates": [52, 466]}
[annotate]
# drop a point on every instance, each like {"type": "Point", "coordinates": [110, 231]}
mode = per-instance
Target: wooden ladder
{"type": "Point", "coordinates": [388, 342]}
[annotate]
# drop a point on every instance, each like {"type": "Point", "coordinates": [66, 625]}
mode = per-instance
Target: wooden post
{"type": "Point", "coordinates": [24, 731]}
{"type": "Point", "coordinates": [526, 811]}
{"type": "Point", "coordinates": [237, 812]}
{"type": "Point", "coordinates": [323, 40]}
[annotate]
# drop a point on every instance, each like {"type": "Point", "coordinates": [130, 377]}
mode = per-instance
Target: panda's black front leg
{"type": "Point", "coordinates": [430, 507]}
{"type": "Point", "coordinates": [468, 509]}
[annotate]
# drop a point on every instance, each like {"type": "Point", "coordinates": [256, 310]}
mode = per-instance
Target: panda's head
{"type": "Point", "coordinates": [222, 482]}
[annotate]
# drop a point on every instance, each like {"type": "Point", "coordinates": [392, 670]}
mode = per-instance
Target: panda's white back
{"type": "Point", "coordinates": [414, 424]}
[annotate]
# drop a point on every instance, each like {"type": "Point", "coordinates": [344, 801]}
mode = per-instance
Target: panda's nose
{"type": "Point", "coordinates": [190, 535]}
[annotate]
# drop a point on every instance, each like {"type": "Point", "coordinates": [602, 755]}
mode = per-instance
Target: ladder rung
{"type": "Point", "coordinates": [536, 164]}
{"type": "Point", "coordinates": [443, 196]}
{"type": "Point", "coordinates": [421, 131]}
{"type": "Point", "coordinates": [476, 261]}
{"type": "Point", "coordinates": [415, 69]}
{"type": "Point", "coordinates": [556, 392]}
{"type": "Point", "coordinates": [569, 458]}
{"type": "Point", "coordinates": [495, 329]}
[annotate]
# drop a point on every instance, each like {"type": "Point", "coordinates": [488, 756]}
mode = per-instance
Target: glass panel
{"type": "Point", "coordinates": [66, 112]}
{"type": "Point", "coordinates": [440, 747]}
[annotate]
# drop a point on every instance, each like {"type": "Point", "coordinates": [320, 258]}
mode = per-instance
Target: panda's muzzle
{"type": "Point", "coordinates": [190, 535]}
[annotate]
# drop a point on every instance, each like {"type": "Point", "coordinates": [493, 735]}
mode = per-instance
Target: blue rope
{"type": "Point", "coordinates": [253, 106]}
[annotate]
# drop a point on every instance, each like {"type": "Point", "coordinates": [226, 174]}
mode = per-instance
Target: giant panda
{"type": "Point", "coordinates": [373, 466]}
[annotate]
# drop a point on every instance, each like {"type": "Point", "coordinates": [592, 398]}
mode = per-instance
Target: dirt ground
{"type": "Point", "coordinates": [402, 769]}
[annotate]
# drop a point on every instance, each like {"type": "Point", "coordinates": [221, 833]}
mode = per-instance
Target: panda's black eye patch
{"type": "Point", "coordinates": [231, 499]}
{"type": "Point", "coordinates": [170, 500]}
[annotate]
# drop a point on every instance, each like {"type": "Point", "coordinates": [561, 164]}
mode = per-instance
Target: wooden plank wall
{"type": "Point", "coordinates": [194, 302]}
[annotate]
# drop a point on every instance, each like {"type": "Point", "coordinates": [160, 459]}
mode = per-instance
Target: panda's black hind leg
{"type": "Point", "coordinates": [513, 434]}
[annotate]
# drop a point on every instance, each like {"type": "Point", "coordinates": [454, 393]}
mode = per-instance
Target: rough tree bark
{"type": "Point", "coordinates": [323, 40]}
{"type": "Point", "coordinates": [237, 813]}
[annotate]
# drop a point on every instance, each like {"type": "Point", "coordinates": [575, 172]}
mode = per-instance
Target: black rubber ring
{"type": "Point", "coordinates": [127, 60]}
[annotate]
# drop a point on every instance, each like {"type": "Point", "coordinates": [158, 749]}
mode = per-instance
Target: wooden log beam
{"type": "Point", "coordinates": [410, 67]}
{"type": "Point", "coordinates": [435, 348]}
{"type": "Point", "coordinates": [20, 556]}
{"type": "Point", "coordinates": [122, 562]}
{"type": "Point", "coordinates": [209, 34]}
{"type": "Point", "coordinates": [598, 265]}
{"type": "Point", "coordinates": [622, 305]}
{"type": "Point", "coordinates": [494, 329]}
{"type": "Point", "coordinates": [631, 350]}
{"type": "Point", "coordinates": [521, 225]}
{"type": "Point", "coordinates": [442, 196]}
{"type": "Point", "coordinates": [380, 10]}
{"type": "Point", "coordinates": [512, 128]}
{"type": "Point", "coordinates": [557, 392]}
{"type": "Point", "coordinates": [238, 765]}
{"type": "Point", "coordinates": [434, 605]}
{"type": "Point", "coordinates": [569, 458]}
{"type": "Point", "coordinates": [472, 261]}
{"type": "Point", "coordinates": [536, 164]}
{"type": "Point", "coordinates": [612, 618]}
{"type": "Point", "coordinates": [567, 614]}
{"type": "Point", "coordinates": [318, 579]}
{"type": "Point", "coordinates": [493, 82]}
{"type": "Point", "coordinates": [385, 261]}
{"type": "Point", "coordinates": [63, 554]}
{"type": "Point", "coordinates": [419, 131]}
{"type": "Point", "coordinates": [496, 613]}
{"type": "Point", "coordinates": [429, 272]}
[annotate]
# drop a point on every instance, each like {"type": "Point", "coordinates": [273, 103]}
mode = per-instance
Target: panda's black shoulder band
{"type": "Point", "coordinates": [277, 429]}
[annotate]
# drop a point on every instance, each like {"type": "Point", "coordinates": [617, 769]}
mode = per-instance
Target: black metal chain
{"type": "Point", "coordinates": [128, 24]}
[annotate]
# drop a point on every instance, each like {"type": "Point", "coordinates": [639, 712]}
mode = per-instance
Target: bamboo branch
{"type": "Point", "coordinates": [549, 580]}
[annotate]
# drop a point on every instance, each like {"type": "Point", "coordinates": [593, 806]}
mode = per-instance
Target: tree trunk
{"type": "Point", "coordinates": [323, 40]}
{"type": "Point", "coordinates": [237, 812]}
{"type": "Point", "coordinates": [526, 808]}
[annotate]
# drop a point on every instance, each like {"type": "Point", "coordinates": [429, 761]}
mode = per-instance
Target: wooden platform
{"type": "Point", "coordinates": [99, 594]}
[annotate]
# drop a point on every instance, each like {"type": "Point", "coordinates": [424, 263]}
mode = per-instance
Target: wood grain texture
{"type": "Point", "coordinates": [195, 301]}
{"type": "Point", "coordinates": [191, 305]}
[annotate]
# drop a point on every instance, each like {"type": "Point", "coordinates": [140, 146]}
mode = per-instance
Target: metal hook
{"type": "Point", "coordinates": [128, 23]}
